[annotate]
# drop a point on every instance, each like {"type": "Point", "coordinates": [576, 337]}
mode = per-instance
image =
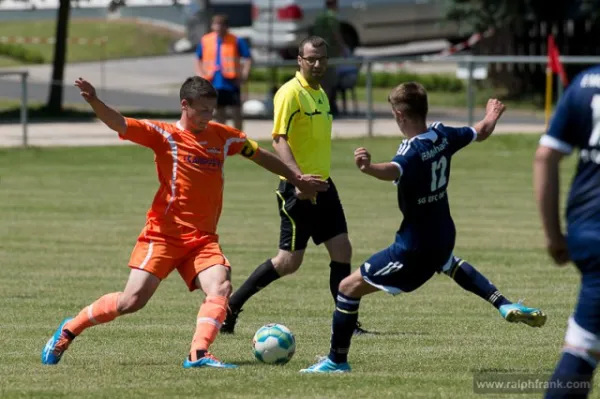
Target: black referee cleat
{"type": "Point", "coordinates": [229, 323]}
{"type": "Point", "coordinates": [358, 330]}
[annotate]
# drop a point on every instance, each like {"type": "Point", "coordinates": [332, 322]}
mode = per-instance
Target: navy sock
{"type": "Point", "coordinates": [573, 371]}
{"type": "Point", "coordinates": [337, 272]}
{"type": "Point", "coordinates": [471, 280]}
{"type": "Point", "coordinates": [344, 322]}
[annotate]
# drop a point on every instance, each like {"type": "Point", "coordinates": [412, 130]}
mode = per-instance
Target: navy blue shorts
{"type": "Point", "coordinates": [229, 98]}
{"type": "Point", "coordinates": [395, 270]}
{"type": "Point", "coordinates": [587, 310]}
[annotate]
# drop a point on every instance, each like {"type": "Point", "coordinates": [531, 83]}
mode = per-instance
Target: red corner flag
{"type": "Point", "coordinates": [554, 61]}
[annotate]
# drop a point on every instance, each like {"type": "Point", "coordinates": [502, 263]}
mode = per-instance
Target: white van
{"type": "Point", "coordinates": [364, 22]}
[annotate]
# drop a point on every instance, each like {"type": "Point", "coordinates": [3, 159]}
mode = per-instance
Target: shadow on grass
{"type": "Point", "coordinates": [41, 114]}
{"type": "Point", "coordinates": [393, 333]}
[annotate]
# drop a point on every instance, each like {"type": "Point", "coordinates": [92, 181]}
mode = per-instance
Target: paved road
{"type": "Point", "coordinates": [128, 100]}
{"type": "Point", "coordinates": [38, 92]}
{"type": "Point", "coordinates": [151, 84]}
{"type": "Point", "coordinates": [95, 133]}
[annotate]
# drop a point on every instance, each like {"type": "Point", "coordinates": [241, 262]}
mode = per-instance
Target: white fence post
{"type": "Point", "coordinates": [471, 93]}
{"type": "Point", "coordinates": [369, 89]}
{"type": "Point", "coordinates": [24, 107]}
{"type": "Point", "coordinates": [23, 75]}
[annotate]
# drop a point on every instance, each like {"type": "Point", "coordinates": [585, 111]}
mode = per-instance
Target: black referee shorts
{"type": "Point", "coordinates": [302, 219]}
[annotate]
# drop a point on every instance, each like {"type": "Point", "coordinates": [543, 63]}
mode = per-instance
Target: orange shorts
{"type": "Point", "coordinates": [160, 255]}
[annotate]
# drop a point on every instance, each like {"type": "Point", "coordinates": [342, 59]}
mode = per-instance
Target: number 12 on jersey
{"type": "Point", "coordinates": [439, 166]}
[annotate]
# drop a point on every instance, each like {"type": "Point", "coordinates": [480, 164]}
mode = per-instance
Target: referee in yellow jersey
{"type": "Point", "coordinates": [302, 139]}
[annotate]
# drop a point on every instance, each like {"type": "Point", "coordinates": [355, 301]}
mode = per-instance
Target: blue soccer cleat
{"type": "Point", "coordinates": [56, 346]}
{"type": "Point", "coordinates": [325, 365]}
{"type": "Point", "coordinates": [519, 313]}
{"type": "Point", "coordinates": [208, 360]}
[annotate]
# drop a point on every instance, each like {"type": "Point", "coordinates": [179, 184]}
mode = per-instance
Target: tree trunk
{"type": "Point", "coordinates": [55, 99]}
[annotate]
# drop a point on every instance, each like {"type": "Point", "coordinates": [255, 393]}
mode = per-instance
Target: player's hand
{"type": "Point", "coordinates": [557, 248]}
{"type": "Point", "coordinates": [301, 195]}
{"type": "Point", "coordinates": [495, 108]}
{"type": "Point", "coordinates": [307, 186]}
{"type": "Point", "coordinates": [362, 158]}
{"type": "Point", "coordinates": [86, 89]}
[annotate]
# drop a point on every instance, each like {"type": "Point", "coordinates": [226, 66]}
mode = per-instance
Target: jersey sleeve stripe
{"type": "Point", "coordinates": [556, 144]}
{"type": "Point", "coordinates": [289, 122]}
{"type": "Point", "coordinates": [229, 142]}
{"type": "Point", "coordinates": [173, 146]}
{"type": "Point", "coordinates": [474, 133]}
{"type": "Point", "coordinates": [403, 148]}
{"type": "Point", "coordinates": [397, 181]}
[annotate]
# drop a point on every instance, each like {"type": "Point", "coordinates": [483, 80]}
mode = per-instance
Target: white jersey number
{"type": "Point", "coordinates": [439, 182]}
{"type": "Point", "coordinates": [595, 137]}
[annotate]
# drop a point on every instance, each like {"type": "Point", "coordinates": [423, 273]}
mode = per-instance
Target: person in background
{"type": "Point", "coordinates": [327, 26]}
{"type": "Point", "coordinates": [225, 60]}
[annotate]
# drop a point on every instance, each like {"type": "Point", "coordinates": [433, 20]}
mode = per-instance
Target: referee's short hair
{"type": "Point", "coordinates": [411, 99]}
{"type": "Point", "coordinates": [315, 41]}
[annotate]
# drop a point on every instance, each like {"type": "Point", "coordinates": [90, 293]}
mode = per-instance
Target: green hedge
{"type": "Point", "coordinates": [21, 53]}
{"type": "Point", "coordinates": [432, 82]}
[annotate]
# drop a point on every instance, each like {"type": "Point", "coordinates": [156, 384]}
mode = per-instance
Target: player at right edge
{"type": "Point", "coordinates": [576, 124]}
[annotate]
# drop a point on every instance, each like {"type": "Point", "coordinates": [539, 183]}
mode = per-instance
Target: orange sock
{"type": "Point", "coordinates": [210, 317]}
{"type": "Point", "coordinates": [99, 312]}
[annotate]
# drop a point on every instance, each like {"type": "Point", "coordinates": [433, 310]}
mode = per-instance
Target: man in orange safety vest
{"type": "Point", "coordinates": [224, 59]}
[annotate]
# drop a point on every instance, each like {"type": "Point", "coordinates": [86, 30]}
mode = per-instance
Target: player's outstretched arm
{"type": "Point", "coordinates": [111, 117]}
{"type": "Point", "coordinates": [283, 150]}
{"type": "Point", "coordinates": [387, 171]}
{"type": "Point", "coordinates": [546, 183]}
{"type": "Point", "coordinates": [309, 185]}
{"type": "Point", "coordinates": [493, 111]}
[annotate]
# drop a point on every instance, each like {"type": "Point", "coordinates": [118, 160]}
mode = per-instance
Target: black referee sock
{"type": "Point", "coordinates": [337, 272]}
{"type": "Point", "coordinates": [264, 275]}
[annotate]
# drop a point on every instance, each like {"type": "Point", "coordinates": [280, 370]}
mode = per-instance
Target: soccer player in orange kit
{"type": "Point", "coordinates": [180, 230]}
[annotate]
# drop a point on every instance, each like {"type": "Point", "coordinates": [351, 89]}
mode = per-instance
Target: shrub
{"type": "Point", "coordinates": [21, 53]}
{"type": "Point", "coordinates": [431, 82]}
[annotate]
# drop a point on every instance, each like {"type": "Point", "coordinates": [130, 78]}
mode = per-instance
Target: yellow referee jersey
{"type": "Point", "coordinates": [304, 116]}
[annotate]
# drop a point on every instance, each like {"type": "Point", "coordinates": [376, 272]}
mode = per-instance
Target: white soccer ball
{"type": "Point", "coordinates": [255, 108]}
{"type": "Point", "coordinates": [274, 344]}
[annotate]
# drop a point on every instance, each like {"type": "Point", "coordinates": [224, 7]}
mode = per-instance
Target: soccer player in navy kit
{"type": "Point", "coordinates": [576, 124]}
{"type": "Point", "coordinates": [425, 241]}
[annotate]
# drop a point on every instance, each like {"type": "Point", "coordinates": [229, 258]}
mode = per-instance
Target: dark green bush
{"type": "Point", "coordinates": [432, 82]}
{"type": "Point", "coordinates": [21, 53]}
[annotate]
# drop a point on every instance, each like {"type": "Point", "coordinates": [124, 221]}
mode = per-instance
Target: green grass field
{"type": "Point", "coordinates": [70, 218]}
{"type": "Point", "coordinates": [125, 39]}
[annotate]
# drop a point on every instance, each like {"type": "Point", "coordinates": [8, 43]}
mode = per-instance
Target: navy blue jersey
{"type": "Point", "coordinates": [576, 125]}
{"type": "Point", "coordinates": [424, 163]}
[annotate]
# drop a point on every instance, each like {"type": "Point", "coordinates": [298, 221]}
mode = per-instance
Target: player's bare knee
{"type": "Point", "coordinates": [224, 289]}
{"type": "Point", "coordinates": [218, 288]}
{"type": "Point", "coordinates": [349, 286]}
{"type": "Point", "coordinates": [131, 303]}
{"type": "Point", "coordinates": [287, 263]}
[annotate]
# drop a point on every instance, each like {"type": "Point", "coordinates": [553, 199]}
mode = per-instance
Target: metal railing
{"type": "Point", "coordinates": [471, 61]}
{"type": "Point", "coordinates": [24, 106]}
{"type": "Point", "coordinates": [468, 62]}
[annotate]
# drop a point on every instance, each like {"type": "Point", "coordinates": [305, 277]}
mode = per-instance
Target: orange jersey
{"type": "Point", "coordinates": [190, 172]}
